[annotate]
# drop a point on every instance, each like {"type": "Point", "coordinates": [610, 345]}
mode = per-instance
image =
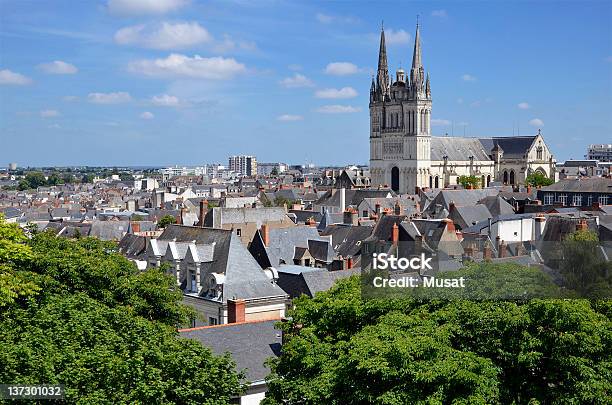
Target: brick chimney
{"type": "Point", "coordinates": [203, 210]}
{"type": "Point", "coordinates": [265, 234]}
{"type": "Point", "coordinates": [235, 311]}
{"type": "Point", "coordinates": [395, 234]}
{"type": "Point", "coordinates": [582, 225]}
{"type": "Point", "coordinates": [487, 253]}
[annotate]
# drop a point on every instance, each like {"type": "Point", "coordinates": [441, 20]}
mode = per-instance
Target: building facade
{"type": "Point", "coordinates": [405, 156]}
{"type": "Point", "coordinates": [243, 164]}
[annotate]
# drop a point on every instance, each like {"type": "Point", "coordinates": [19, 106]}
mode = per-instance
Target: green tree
{"type": "Point", "coordinates": [467, 181]}
{"type": "Point", "coordinates": [165, 221]}
{"type": "Point", "coordinates": [340, 348]}
{"type": "Point", "coordinates": [537, 179]}
{"type": "Point", "coordinates": [77, 313]}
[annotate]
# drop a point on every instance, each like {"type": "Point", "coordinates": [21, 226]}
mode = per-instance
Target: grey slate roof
{"type": "Point", "coordinates": [250, 344]}
{"type": "Point", "coordinates": [457, 148]}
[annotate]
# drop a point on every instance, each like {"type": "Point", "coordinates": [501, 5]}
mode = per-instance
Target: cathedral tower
{"type": "Point", "coordinates": [400, 124]}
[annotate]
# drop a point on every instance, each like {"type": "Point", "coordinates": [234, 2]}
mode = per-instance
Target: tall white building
{"type": "Point", "coordinates": [405, 156]}
{"type": "Point", "coordinates": [243, 164]}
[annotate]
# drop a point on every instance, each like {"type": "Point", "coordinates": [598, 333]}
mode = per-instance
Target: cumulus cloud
{"type": "Point", "coordinates": [58, 67]}
{"type": "Point", "coordinates": [523, 105]}
{"type": "Point", "coordinates": [164, 36]}
{"type": "Point", "coordinates": [440, 122]}
{"type": "Point", "coordinates": [147, 115]}
{"type": "Point", "coordinates": [17, 79]}
{"type": "Point", "coordinates": [165, 100]}
{"type": "Point", "coordinates": [177, 65]}
{"type": "Point", "coordinates": [398, 37]}
{"type": "Point", "coordinates": [138, 7]}
{"type": "Point", "coordinates": [338, 109]}
{"type": "Point", "coordinates": [439, 13]}
{"type": "Point", "coordinates": [109, 98]}
{"type": "Point", "coordinates": [297, 80]}
{"type": "Point", "coordinates": [536, 122]}
{"type": "Point", "coordinates": [49, 113]}
{"type": "Point", "coordinates": [341, 68]}
{"type": "Point", "coordinates": [289, 117]}
{"type": "Point", "coordinates": [345, 92]}
{"type": "Point", "coordinates": [468, 78]}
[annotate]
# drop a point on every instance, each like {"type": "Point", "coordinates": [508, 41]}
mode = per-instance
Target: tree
{"type": "Point", "coordinates": [77, 313]}
{"type": "Point", "coordinates": [467, 181]}
{"type": "Point", "coordinates": [340, 348]}
{"type": "Point", "coordinates": [165, 221]}
{"type": "Point", "coordinates": [537, 179]}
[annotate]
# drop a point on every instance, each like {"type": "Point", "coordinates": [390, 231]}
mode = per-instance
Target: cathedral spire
{"type": "Point", "coordinates": [382, 76]}
{"type": "Point", "coordinates": [417, 72]}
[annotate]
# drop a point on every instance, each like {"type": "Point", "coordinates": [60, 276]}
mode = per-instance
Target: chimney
{"type": "Point", "coordinates": [342, 199]}
{"type": "Point", "coordinates": [582, 225]}
{"type": "Point", "coordinates": [502, 249]}
{"type": "Point", "coordinates": [135, 227]}
{"type": "Point", "coordinates": [235, 311]}
{"type": "Point", "coordinates": [265, 234]}
{"type": "Point", "coordinates": [487, 253]}
{"type": "Point", "coordinates": [395, 234]}
{"type": "Point", "coordinates": [203, 210]}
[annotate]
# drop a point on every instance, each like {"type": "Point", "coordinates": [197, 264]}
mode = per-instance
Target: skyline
{"type": "Point", "coordinates": [183, 82]}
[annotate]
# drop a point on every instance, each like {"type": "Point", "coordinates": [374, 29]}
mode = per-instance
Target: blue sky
{"type": "Point", "coordinates": [157, 82]}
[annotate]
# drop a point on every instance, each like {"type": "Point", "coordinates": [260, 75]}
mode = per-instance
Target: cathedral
{"type": "Point", "coordinates": [405, 156]}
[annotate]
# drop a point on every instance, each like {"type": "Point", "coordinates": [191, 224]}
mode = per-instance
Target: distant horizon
{"type": "Point", "coordinates": [117, 81]}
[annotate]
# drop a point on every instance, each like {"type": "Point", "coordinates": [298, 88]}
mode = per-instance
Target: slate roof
{"type": "Point", "coordinates": [589, 185]}
{"type": "Point", "coordinates": [250, 344]}
{"type": "Point", "coordinates": [457, 148]}
{"type": "Point", "coordinates": [244, 277]}
{"type": "Point", "coordinates": [514, 147]}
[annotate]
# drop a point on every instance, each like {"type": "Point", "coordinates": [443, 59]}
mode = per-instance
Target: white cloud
{"type": "Point", "coordinates": [439, 13]}
{"type": "Point", "coordinates": [58, 67]}
{"type": "Point", "coordinates": [338, 109]}
{"type": "Point", "coordinates": [164, 36]}
{"type": "Point", "coordinates": [523, 105]}
{"type": "Point", "coordinates": [8, 77]}
{"type": "Point", "coordinates": [136, 7]}
{"type": "Point", "coordinates": [49, 113]}
{"type": "Point", "coordinates": [177, 65]}
{"type": "Point", "coordinates": [341, 68]}
{"type": "Point", "coordinates": [440, 122]}
{"type": "Point", "coordinates": [398, 37]}
{"type": "Point", "coordinates": [147, 115]}
{"type": "Point", "coordinates": [345, 92]}
{"type": "Point", "coordinates": [536, 122]}
{"type": "Point", "coordinates": [109, 98]}
{"type": "Point", "coordinates": [468, 78]}
{"type": "Point", "coordinates": [289, 117]}
{"type": "Point", "coordinates": [165, 100]}
{"type": "Point", "coordinates": [297, 80]}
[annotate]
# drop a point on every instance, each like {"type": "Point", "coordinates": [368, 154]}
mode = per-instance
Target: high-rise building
{"type": "Point", "coordinates": [245, 165]}
{"type": "Point", "coordinates": [600, 152]}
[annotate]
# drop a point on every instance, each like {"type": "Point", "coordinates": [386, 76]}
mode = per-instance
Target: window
{"type": "Point", "coordinates": [212, 320]}
{"type": "Point", "coordinates": [549, 199]}
{"type": "Point", "coordinates": [577, 200]}
{"type": "Point", "coordinates": [563, 199]}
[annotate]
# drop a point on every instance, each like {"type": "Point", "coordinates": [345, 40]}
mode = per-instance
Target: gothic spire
{"type": "Point", "coordinates": [382, 76]}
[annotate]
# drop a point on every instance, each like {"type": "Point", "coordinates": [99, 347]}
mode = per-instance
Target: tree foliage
{"type": "Point", "coordinates": [343, 349]}
{"type": "Point", "coordinates": [537, 179]}
{"type": "Point", "coordinates": [77, 313]}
